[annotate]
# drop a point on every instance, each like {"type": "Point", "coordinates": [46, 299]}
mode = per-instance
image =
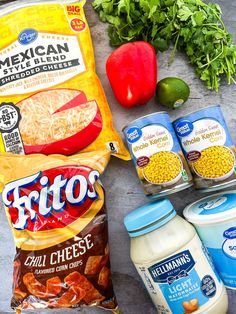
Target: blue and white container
{"type": "Point", "coordinates": [214, 217]}
{"type": "Point", "coordinates": [157, 155]}
{"type": "Point", "coordinates": [172, 262]}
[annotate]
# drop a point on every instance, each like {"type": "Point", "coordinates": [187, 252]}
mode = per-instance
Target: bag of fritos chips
{"type": "Point", "coordinates": [56, 209]}
{"type": "Point", "coordinates": [51, 100]}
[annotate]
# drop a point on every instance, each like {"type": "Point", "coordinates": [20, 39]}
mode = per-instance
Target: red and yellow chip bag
{"type": "Point", "coordinates": [51, 100]}
{"type": "Point", "coordinates": [56, 209]}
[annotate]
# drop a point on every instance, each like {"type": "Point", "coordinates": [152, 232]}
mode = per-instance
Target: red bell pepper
{"type": "Point", "coordinates": [132, 72]}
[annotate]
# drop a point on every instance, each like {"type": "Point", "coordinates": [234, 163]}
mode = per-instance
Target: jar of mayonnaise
{"type": "Point", "coordinates": [173, 263]}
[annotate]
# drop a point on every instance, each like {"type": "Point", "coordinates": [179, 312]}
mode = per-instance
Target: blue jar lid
{"type": "Point", "coordinates": [149, 217]}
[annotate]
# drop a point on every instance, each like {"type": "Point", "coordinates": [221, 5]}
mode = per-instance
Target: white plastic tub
{"type": "Point", "coordinates": [214, 217]}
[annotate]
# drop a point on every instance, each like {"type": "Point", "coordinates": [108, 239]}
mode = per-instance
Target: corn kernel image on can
{"type": "Point", "coordinates": [208, 148]}
{"type": "Point", "coordinates": [157, 155]}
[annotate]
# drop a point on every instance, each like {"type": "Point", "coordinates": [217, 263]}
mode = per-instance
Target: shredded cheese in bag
{"type": "Point", "coordinates": [51, 99]}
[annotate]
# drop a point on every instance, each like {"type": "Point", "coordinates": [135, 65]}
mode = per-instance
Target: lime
{"type": "Point", "coordinates": [172, 92]}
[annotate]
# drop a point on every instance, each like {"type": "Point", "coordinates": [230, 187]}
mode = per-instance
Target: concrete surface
{"type": "Point", "coordinates": [124, 192]}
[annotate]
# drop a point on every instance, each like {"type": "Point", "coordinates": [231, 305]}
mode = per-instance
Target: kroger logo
{"type": "Point", "coordinates": [27, 36]}
{"type": "Point", "coordinates": [133, 134]}
{"type": "Point", "coordinates": [184, 128]}
{"type": "Point", "coordinates": [174, 268]}
{"type": "Point", "coordinates": [230, 233]}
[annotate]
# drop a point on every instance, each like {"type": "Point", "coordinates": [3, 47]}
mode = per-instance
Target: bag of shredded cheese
{"type": "Point", "coordinates": [51, 100]}
{"type": "Point", "coordinates": [56, 209]}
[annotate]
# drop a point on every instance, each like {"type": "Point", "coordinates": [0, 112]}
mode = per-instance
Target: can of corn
{"type": "Point", "coordinates": [208, 148]}
{"type": "Point", "coordinates": [157, 155]}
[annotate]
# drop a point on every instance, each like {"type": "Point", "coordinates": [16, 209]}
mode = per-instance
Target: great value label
{"type": "Point", "coordinates": [208, 147]}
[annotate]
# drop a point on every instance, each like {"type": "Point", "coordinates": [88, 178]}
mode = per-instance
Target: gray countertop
{"type": "Point", "coordinates": [124, 192]}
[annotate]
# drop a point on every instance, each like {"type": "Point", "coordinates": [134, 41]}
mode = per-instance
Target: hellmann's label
{"type": "Point", "coordinates": [168, 270]}
{"type": "Point", "coordinates": [182, 281]}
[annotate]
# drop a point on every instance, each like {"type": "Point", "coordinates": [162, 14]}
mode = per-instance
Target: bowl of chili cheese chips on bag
{"type": "Point", "coordinates": [56, 209]}
{"type": "Point", "coordinates": [51, 99]}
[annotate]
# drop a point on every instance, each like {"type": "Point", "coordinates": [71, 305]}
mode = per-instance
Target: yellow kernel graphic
{"type": "Point", "coordinates": [163, 167]}
{"type": "Point", "coordinates": [214, 162]}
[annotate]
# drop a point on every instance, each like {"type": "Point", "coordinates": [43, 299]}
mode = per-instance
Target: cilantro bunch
{"type": "Point", "coordinates": [191, 25]}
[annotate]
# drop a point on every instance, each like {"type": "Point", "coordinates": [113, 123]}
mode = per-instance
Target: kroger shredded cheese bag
{"type": "Point", "coordinates": [51, 100]}
{"type": "Point", "coordinates": [56, 209]}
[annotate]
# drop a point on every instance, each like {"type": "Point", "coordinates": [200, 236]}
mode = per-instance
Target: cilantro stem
{"type": "Point", "coordinates": [232, 79]}
{"type": "Point", "coordinates": [124, 26]}
{"type": "Point", "coordinates": [229, 70]}
{"type": "Point", "coordinates": [174, 50]}
{"type": "Point", "coordinates": [208, 63]}
{"type": "Point", "coordinates": [208, 59]}
{"type": "Point", "coordinates": [209, 24]}
{"type": "Point", "coordinates": [214, 12]}
{"type": "Point", "coordinates": [217, 16]}
{"type": "Point", "coordinates": [216, 27]}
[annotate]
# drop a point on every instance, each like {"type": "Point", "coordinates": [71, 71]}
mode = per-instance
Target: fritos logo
{"type": "Point", "coordinates": [50, 199]}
